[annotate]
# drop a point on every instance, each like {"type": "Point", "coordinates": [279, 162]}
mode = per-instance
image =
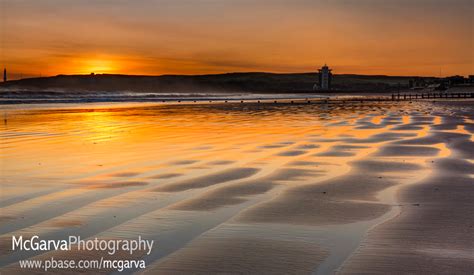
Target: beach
{"type": "Point", "coordinates": [369, 187]}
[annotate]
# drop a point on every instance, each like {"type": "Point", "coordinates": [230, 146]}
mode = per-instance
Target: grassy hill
{"type": "Point", "coordinates": [230, 82]}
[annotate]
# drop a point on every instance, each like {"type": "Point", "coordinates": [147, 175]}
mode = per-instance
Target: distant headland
{"type": "Point", "coordinates": [260, 82]}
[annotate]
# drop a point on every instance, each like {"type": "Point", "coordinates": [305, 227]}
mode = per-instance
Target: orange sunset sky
{"type": "Point", "coordinates": [393, 37]}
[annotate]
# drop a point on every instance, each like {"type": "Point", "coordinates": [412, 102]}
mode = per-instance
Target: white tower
{"type": "Point", "coordinates": [325, 77]}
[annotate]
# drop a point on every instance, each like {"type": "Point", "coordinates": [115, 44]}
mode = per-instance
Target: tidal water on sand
{"type": "Point", "coordinates": [221, 187]}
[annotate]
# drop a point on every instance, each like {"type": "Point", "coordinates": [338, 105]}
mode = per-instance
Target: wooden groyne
{"type": "Point", "coordinates": [345, 99]}
{"type": "Point", "coordinates": [431, 96]}
{"type": "Point", "coordinates": [333, 99]}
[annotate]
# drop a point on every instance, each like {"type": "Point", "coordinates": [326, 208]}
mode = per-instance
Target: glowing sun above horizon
{"type": "Point", "coordinates": [96, 65]}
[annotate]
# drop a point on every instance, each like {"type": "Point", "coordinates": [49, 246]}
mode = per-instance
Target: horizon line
{"type": "Point", "coordinates": [222, 73]}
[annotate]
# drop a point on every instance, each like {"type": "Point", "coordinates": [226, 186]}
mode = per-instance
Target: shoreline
{"type": "Point", "coordinates": [86, 97]}
{"type": "Point", "coordinates": [334, 99]}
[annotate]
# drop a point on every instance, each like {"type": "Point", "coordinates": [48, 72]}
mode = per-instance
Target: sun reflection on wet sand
{"type": "Point", "coordinates": [185, 175]}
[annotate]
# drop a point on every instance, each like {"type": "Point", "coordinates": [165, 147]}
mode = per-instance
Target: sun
{"type": "Point", "coordinates": [100, 66]}
{"type": "Point", "coordinates": [96, 65]}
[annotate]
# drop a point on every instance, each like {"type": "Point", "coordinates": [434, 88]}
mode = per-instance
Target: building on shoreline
{"type": "Point", "coordinates": [325, 79]}
{"type": "Point", "coordinates": [418, 83]}
{"type": "Point", "coordinates": [4, 74]}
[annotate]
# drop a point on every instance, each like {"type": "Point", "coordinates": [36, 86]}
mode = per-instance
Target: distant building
{"type": "Point", "coordinates": [471, 79]}
{"type": "Point", "coordinates": [455, 80]}
{"type": "Point", "coordinates": [5, 75]}
{"type": "Point", "coordinates": [418, 83]}
{"type": "Point", "coordinates": [325, 78]}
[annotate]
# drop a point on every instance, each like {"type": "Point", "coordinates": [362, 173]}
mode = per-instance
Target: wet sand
{"type": "Point", "coordinates": [242, 255]}
{"type": "Point", "coordinates": [434, 232]}
{"type": "Point", "coordinates": [382, 188]}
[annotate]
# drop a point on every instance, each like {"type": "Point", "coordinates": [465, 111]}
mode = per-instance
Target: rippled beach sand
{"type": "Point", "coordinates": [284, 188]}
